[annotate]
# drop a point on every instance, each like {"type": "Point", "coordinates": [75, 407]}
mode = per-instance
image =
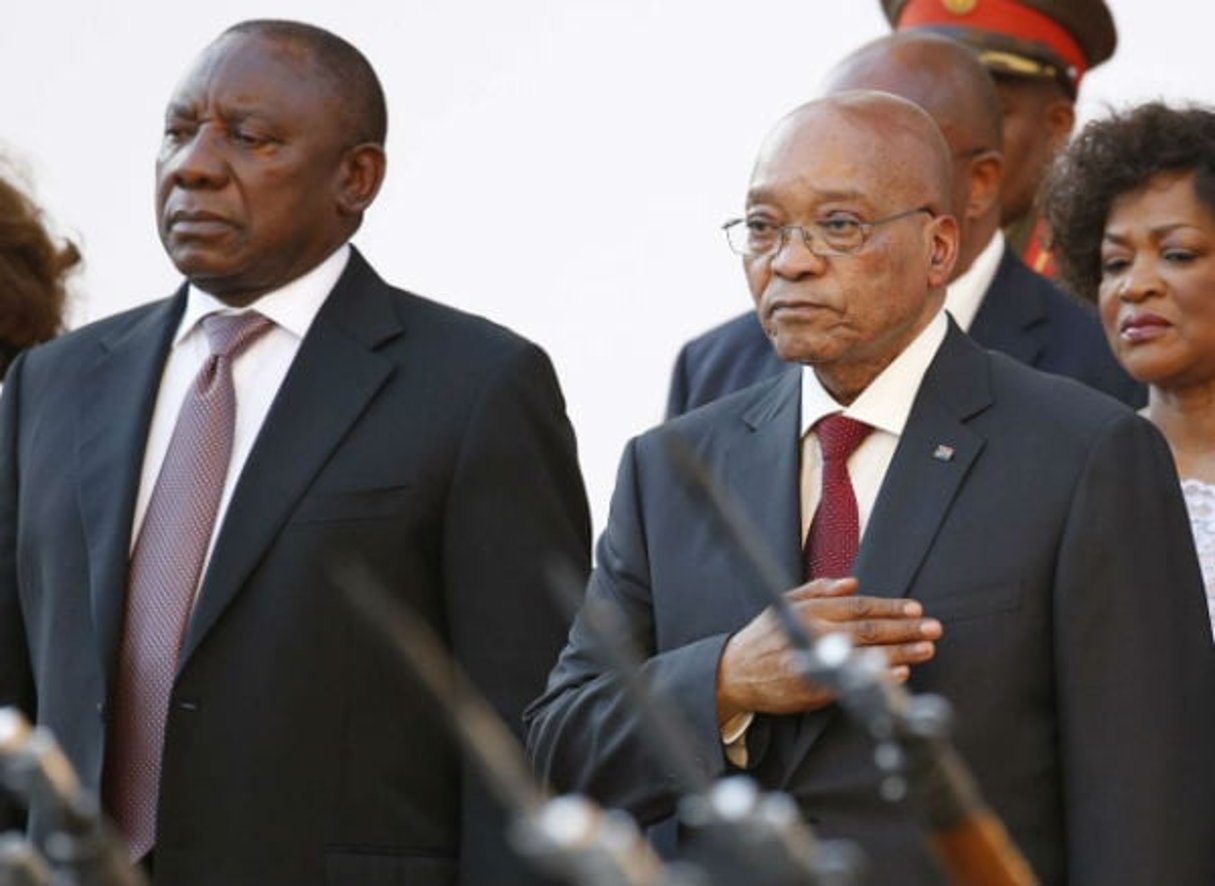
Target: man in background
{"type": "Point", "coordinates": [993, 296]}
{"type": "Point", "coordinates": [188, 489]}
{"type": "Point", "coordinates": [1038, 52]}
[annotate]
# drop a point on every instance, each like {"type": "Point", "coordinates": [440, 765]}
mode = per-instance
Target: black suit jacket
{"type": "Point", "coordinates": [1051, 540]}
{"type": "Point", "coordinates": [1023, 314]}
{"type": "Point", "coordinates": [428, 446]}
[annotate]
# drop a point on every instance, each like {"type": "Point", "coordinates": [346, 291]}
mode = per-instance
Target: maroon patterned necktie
{"type": "Point", "coordinates": [166, 566]}
{"type": "Point", "coordinates": [834, 535]}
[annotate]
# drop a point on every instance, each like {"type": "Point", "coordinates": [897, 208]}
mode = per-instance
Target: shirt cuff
{"type": "Point", "coordinates": [734, 737]}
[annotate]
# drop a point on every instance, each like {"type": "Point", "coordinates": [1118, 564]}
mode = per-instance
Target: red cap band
{"type": "Point", "coordinates": [1006, 17]}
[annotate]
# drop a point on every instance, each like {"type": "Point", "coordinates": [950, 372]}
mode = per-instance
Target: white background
{"type": "Point", "coordinates": [561, 166]}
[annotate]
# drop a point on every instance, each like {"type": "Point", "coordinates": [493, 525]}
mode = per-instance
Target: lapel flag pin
{"type": "Point", "coordinates": [943, 452]}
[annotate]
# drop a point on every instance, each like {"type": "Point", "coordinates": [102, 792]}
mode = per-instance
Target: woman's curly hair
{"type": "Point", "coordinates": [32, 271]}
{"type": "Point", "coordinates": [1114, 156]}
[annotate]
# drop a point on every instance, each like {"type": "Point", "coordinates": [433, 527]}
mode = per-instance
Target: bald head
{"type": "Point", "coordinates": [940, 75]}
{"type": "Point", "coordinates": [337, 63]}
{"type": "Point", "coordinates": [945, 79]}
{"type": "Point", "coordinates": [886, 141]}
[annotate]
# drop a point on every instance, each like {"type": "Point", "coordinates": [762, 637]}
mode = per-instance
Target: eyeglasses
{"type": "Point", "coordinates": [838, 234]}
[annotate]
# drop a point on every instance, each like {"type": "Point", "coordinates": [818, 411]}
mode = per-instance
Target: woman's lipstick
{"type": "Point", "coordinates": [1142, 326]}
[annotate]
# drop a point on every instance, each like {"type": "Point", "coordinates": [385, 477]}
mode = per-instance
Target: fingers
{"type": "Point", "coordinates": [896, 625]}
{"type": "Point", "coordinates": [905, 654]}
{"type": "Point", "coordinates": [886, 631]}
{"type": "Point", "coordinates": [854, 608]}
{"type": "Point", "coordinates": [823, 587]}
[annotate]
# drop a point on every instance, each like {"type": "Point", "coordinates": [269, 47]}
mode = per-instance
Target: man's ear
{"type": "Point", "coordinates": [986, 171]}
{"type": "Point", "coordinates": [943, 249]}
{"type": "Point", "coordinates": [361, 174]}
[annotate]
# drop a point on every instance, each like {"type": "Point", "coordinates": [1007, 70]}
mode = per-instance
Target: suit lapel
{"type": "Point", "coordinates": [1012, 317]}
{"type": "Point", "coordinates": [116, 410]}
{"type": "Point", "coordinates": [334, 376]}
{"type": "Point", "coordinates": [761, 472]}
{"type": "Point", "coordinates": [765, 472]}
{"type": "Point", "coordinates": [933, 457]}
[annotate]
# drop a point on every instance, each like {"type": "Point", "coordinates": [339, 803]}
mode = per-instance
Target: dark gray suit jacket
{"type": "Point", "coordinates": [1023, 315]}
{"type": "Point", "coordinates": [429, 447]}
{"type": "Point", "coordinates": [1053, 544]}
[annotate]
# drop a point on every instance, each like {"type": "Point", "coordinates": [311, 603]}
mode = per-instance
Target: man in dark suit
{"type": "Point", "coordinates": [993, 295]}
{"type": "Point", "coordinates": [374, 432]}
{"type": "Point", "coordinates": [1022, 549]}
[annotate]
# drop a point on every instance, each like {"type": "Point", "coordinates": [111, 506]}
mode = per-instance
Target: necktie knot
{"type": "Point", "coordinates": [840, 436]}
{"type": "Point", "coordinates": [229, 334]}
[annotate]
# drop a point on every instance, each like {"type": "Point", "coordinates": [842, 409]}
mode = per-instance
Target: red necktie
{"type": "Point", "coordinates": [166, 565]}
{"type": "Point", "coordinates": [834, 534]}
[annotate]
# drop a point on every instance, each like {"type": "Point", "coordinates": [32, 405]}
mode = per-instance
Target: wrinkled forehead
{"type": "Point", "coordinates": [820, 155]}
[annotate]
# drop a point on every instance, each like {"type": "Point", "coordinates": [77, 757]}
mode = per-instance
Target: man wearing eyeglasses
{"type": "Point", "coordinates": [1008, 539]}
{"type": "Point", "coordinates": [992, 295]}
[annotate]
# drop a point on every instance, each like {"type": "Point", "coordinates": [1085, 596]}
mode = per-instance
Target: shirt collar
{"type": "Point", "coordinates": [292, 307]}
{"type": "Point", "coordinates": [964, 295]}
{"type": "Point", "coordinates": [886, 403]}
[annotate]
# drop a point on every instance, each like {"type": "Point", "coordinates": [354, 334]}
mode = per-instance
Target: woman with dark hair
{"type": "Point", "coordinates": [32, 271]}
{"type": "Point", "coordinates": [1132, 207]}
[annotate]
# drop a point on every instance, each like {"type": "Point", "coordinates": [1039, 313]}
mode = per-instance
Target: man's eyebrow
{"type": "Point", "coordinates": [179, 109]}
{"type": "Point", "coordinates": [229, 116]}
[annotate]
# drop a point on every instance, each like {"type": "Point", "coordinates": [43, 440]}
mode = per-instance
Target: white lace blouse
{"type": "Point", "coordinates": [1200, 502]}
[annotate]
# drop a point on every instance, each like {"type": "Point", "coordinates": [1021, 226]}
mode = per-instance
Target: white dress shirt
{"type": "Point", "coordinates": [257, 374]}
{"type": "Point", "coordinates": [964, 296]}
{"type": "Point", "coordinates": [884, 405]}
